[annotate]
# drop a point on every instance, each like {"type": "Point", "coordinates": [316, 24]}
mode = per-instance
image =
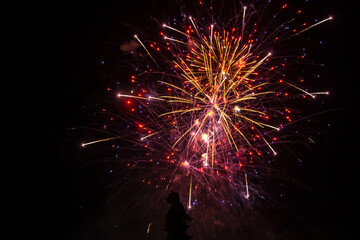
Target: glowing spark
{"type": "Point", "coordinates": [205, 137]}
{"type": "Point", "coordinates": [100, 140]}
{"type": "Point", "coordinates": [148, 228]}
{"type": "Point", "coordinates": [144, 98]}
{"type": "Point", "coordinates": [189, 205]}
{"type": "Point", "coordinates": [174, 29]}
{"type": "Point", "coordinates": [135, 36]}
{"type": "Point", "coordinates": [186, 164]}
{"type": "Point", "coordinates": [150, 135]}
{"type": "Point", "coordinates": [247, 187]}
{"type": "Point", "coordinates": [311, 95]}
{"type": "Point", "coordinates": [175, 40]}
{"type": "Point", "coordinates": [325, 20]}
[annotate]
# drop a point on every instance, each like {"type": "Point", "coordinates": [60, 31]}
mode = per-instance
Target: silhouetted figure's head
{"type": "Point", "coordinates": [173, 198]}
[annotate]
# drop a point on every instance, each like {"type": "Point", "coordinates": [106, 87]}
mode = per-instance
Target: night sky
{"type": "Point", "coordinates": [70, 54]}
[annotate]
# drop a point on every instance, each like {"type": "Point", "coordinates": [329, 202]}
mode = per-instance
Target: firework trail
{"type": "Point", "coordinates": [211, 104]}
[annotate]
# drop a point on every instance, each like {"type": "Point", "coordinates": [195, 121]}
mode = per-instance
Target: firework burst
{"type": "Point", "coordinates": [210, 105]}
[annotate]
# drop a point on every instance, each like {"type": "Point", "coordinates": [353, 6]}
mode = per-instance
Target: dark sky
{"type": "Point", "coordinates": [70, 53]}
